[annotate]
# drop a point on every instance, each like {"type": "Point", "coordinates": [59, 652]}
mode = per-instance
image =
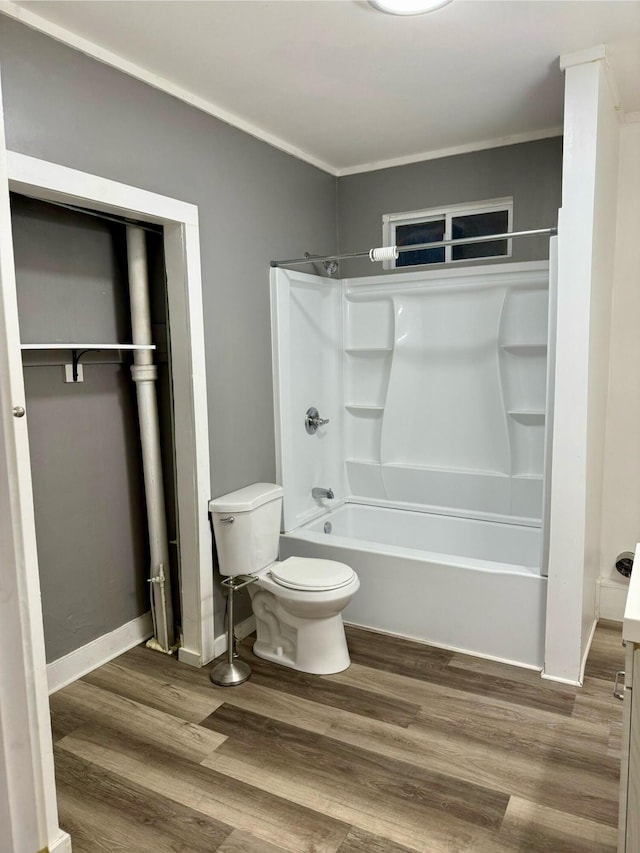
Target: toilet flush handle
{"type": "Point", "coordinates": [228, 520]}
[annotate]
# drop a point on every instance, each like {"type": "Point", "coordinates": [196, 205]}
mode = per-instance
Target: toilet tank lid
{"type": "Point", "coordinates": [246, 499]}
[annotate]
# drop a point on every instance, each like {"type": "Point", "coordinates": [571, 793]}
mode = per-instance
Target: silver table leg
{"type": "Point", "coordinates": [232, 671]}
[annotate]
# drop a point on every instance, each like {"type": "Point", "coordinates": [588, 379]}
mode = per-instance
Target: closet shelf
{"type": "Point", "coordinates": [363, 407]}
{"type": "Point", "coordinates": [527, 417]}
{"type": "Point", "coordinates": [525, 349]}
{"type": "Point", "coordinates": [88, 346]}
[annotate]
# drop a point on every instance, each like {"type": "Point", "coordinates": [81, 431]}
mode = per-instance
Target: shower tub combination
{"type": "Point", "coordinates": [459, 583]}
{"type": "Point", "coordinates": [434, 385]}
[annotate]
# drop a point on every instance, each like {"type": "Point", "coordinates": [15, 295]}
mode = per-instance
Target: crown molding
{"type": "Point", "coordinates": [108, 57]}
{"type": "Point", "coordinates": [498, 142]}
{"type": "Point", "coordinates": [139, 72]}
{"type": "Point", "coordinates": [582, 57]}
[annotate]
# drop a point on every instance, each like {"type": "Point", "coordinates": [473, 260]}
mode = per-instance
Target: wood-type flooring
{"type": "Point", "coordinates": [411, 749]}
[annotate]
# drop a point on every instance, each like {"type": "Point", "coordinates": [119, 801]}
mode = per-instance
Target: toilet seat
{"type": "Point", "coordinates": [311, 575]}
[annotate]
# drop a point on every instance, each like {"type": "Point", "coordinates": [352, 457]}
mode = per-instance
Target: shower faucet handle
{"type": "Point", "coordinates": [313, 420]}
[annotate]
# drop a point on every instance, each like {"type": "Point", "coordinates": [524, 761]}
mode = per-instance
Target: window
{"type": "Point", "coordinates": [476, 219]}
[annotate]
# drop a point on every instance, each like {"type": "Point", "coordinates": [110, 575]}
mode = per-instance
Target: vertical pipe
{"type": "Point", "coordinates": [230, 624]}
{"type": "Point", "coordinates": [144, 373]}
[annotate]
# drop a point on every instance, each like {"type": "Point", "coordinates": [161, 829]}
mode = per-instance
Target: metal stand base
{"type": "Point", "coordinates": [227, 674]}
{"type": "Point", "coordinates": [231, 672]}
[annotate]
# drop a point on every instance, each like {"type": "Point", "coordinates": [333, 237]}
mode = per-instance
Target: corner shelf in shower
{"type": "Point", "coordinates": [527, 417]}
{"type": "Point", "coordinates": [368, 350]}
{"type": "Point", "coordinates": [525, 349]}
{"type": "Point", "coordinates": [364, 407]}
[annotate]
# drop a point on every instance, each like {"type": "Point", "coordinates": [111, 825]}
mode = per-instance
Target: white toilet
{"type": "Point", "coordinates": [297, 603]}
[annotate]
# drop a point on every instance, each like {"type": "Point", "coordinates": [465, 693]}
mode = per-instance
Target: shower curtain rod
{"type": "Point", "coordinates": [385, 253]}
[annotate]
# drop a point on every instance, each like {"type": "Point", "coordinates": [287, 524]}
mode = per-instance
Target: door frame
{"type": "Point", "coordinates": [28, 804]}
{"type": "Point", "coordinates": [51, 182]}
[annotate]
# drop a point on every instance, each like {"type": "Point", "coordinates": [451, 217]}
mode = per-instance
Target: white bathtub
{"type": "Point", "coordinates": [464, 584]}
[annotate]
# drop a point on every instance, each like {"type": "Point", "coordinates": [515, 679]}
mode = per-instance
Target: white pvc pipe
{"type": "Point", "coordinates": [144, 373]}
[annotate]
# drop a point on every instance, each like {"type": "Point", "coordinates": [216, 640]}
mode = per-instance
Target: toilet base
{"type": "Point", "coordinates": [317, 646]}
{"type": "Point", "coordinates": [318, 667]}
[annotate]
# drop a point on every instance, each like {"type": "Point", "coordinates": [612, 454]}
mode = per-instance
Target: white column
{"type": "Point", "coordinates": [586, 236]}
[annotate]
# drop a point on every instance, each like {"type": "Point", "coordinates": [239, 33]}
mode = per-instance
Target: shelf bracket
{"type": "Point", "coordinates": [76, 355]}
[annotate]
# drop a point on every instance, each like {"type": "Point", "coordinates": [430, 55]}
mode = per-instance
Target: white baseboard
{"type": "Point", "coordinates": [101, 650]}
{"type": "Point", "coordinates": [190, 658]}
{"type": "Point", "coordinates": [242, 630]}
{"type": "Point", "coordinates": [62, 844]}
{"type": "Point", "coordinates": [559, 680]}
{"type": "Point", "coordinates": [612, 598]}
{"type": "Point", "coordinates": [583, 663]}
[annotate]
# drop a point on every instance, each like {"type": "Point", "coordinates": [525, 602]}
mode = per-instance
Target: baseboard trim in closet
{"type": "Point", "coordinates": [98, 652]}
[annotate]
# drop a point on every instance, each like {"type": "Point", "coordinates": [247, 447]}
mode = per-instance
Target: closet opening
{"type": "Point", "coordinates": [172, 237]}
{"type": "Point", "coordinates": [73, 294]}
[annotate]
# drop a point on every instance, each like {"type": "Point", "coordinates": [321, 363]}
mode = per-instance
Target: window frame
{"type": "Point", "coordinates": [390, 221]}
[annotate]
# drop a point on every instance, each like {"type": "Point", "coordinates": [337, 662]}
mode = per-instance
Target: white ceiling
{"type": "Point", "coordinates": [349, 88]}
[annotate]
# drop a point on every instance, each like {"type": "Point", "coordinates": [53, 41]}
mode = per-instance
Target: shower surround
{"type": "Point", "coordinates": [435, 386]}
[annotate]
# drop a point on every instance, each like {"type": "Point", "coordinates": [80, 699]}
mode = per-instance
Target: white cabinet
{"type": "Point", "coordinates": [629, 820]}
{"type": "Point", "coordinates": [629, 769]}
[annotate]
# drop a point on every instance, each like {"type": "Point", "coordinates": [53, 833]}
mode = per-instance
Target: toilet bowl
{"type": "Point", "coordinates": [299, 626]}
{"type": "Point", "coordinates": [297, 603]}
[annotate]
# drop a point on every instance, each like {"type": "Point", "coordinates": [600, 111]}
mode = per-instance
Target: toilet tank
{"type": "Point", "coordinates": [249, 542]}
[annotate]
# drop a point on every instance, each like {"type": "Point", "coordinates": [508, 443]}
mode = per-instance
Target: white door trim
{"type": "Point", "coordinates": [50, 181]}
{"type": "Point", "coordinates": [28, 806]}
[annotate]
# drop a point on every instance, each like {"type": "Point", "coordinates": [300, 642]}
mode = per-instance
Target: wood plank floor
{"type": "Point", "coordinates": [411, 749]}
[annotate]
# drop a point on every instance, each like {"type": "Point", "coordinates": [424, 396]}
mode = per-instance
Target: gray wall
{"type": "Point", "coordinates": [530, 172]}
{"type": "Point", "coordinates": [255, 204]}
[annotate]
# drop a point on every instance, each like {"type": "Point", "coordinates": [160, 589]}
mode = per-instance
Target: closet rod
{"type": "Point", "coordinates": [387, 252]}
{"type": "Point", "coordinates": [120, 220]}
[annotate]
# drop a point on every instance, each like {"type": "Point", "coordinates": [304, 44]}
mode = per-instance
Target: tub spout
{"type": "Point", "coordinates": [317, 493]}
